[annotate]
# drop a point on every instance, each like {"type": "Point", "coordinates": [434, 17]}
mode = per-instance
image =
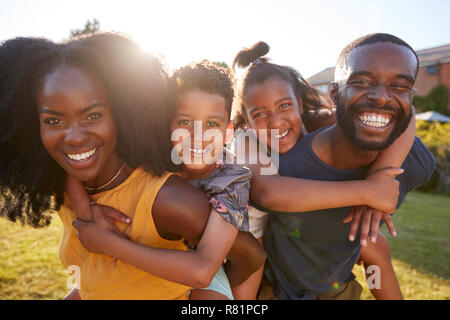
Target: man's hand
{"type": "Point", "coordinates": [382, 189]}
{"type": "Point", "coordinates": [370, 221]}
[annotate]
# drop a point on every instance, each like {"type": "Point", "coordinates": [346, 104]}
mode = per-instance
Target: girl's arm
{"type": "Point", "coordinates": [282, 193]}
{"type": "Point", "coordinates": [287, 194]}
{"type": "Point", "coordinates": [395, 155]}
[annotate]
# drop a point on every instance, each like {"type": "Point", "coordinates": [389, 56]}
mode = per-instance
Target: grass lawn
{"type": "Point", "coordinates": [30, 268]}
{"type": "Point", "coordinates": [421, 250]}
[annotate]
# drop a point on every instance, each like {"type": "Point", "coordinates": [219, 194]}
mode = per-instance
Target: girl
{"type": "Point", "coordinates": [269, 91]}
{"type": "Point", "coordinates": [85, 109]}
{"type": "Point", "coordinates": [204, 96]}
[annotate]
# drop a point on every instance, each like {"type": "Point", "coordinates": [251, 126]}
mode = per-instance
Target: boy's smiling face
{"type": "Point", "coordinates": [204, 116]}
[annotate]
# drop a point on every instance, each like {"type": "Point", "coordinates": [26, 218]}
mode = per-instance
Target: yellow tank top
{"type": "Point", "coordinates": [103, 277]}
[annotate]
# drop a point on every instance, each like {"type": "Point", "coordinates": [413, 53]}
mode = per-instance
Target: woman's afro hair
{"type": "Point", "coordinates": [32, 184]}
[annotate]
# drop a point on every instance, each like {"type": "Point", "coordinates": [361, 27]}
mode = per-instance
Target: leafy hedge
{"type": "Point", "coordinates": [436, 100]}
{"type": "Point", "coordinates": [436, 136]}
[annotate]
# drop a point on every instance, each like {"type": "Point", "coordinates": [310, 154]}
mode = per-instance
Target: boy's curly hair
{"type": "Point", "coordinates": [32, 184]}
{"type": "Point", "coordinates": [207, 77]}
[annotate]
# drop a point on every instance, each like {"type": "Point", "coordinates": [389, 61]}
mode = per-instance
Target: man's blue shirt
{"type": "Point", "coordinates": [309, 252]}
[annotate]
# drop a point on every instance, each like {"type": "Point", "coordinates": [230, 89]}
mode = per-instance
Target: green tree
{"type": "Point", "coordinates": [436, 136]}
{"type": "Point", "coordinates": [90, 27]}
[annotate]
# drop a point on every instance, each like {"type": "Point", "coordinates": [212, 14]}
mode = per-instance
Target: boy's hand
{"type": "Point", "coordinates": [81, 203]}
{"type": "Point", "coordinates": [382, 189]}
{"type": "Point", "coordinates": [96, 235]}
{"type": "Point", "coordinates": [370, 221]}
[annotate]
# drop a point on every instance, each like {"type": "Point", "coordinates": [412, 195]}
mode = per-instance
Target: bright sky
{"type": "Point", "coordinates": [305, 34]}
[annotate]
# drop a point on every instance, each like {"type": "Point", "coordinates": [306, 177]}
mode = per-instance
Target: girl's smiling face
{"type": "Point", "coordinates": [274, 105]}
{"type": "Point", "coordinates": [205, 117]}
{"type": "Point", "coordinates": [76, 125]}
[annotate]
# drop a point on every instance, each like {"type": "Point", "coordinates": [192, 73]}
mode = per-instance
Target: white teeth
{"type": "Point", "coordinates": [81, 156]}
{"type": "Point", "coordinates": [279, 136]}
{"type": "Point", "coordinates": [375, 120]}
{"type": "Point", "coordinates": [197, 150]}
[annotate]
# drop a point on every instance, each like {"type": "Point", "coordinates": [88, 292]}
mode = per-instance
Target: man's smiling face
{"type": "Point", "coordinates": [373, 96]}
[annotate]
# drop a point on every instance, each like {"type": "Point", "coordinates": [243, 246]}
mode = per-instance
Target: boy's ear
{"type": "Point", "coordinates": [334, 92]}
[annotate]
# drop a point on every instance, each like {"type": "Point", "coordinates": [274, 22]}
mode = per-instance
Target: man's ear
{"type": "Point", "coordinates": [334, 92]}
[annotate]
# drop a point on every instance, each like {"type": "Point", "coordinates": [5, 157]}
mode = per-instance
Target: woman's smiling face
{"type": "Point", "coordinates": [77, 126]}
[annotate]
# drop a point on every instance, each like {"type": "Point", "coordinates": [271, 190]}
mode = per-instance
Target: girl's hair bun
{"type": "Point", "coordinates": [248, 55]}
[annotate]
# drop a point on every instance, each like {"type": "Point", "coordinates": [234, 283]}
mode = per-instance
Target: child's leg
{"type": "Point", "coordinates": [73, 295]}
{"type": "Point", "coordinates": [206, 294]}
{"type": "Point", "coordinates": [218, 289]}
{"type": "Point", "coordinates": [249, 288]}
{"type": "Point", "coordinates": [379, 254]}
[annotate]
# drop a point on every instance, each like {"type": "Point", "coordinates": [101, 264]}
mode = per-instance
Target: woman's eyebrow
{"type": "Point", "coordinates": [92, 106]}
{"type": "Point", "coordinates": [46, 110]}
{"type": "Point", "coordinates": [84, 110]}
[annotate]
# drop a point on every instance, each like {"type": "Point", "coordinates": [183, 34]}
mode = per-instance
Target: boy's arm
{"type": "Point", "coordinates": [246, 255]}
{"type": "Point", "coordinates": [192, 268]}
{"type": "Point", "coordinates": [173, 218]}
{"type": "Point", "coordinates": [245, 258]}
{"type": "Point", "coordinates": [81, 203]}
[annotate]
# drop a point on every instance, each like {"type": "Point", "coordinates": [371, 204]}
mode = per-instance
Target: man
{"type": "Point", "coordinates": [309, 254]}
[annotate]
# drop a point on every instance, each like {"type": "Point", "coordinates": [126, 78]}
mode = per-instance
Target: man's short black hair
{"type": "Point", "coordinates": [371, 39]}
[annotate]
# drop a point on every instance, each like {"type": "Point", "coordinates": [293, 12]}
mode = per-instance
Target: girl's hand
{"type": "Point", "coordinates": [370, 220]}
{"type": "Point", "coordinates": [382, 189]}
{"type": "Point", "coordinates": [97, 235]}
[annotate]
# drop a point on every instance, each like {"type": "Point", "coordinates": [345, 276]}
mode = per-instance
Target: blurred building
{"type": "Point", "coordinates": [434, 69]}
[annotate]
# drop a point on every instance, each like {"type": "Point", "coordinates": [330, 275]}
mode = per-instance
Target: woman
{"type": "Point", "coordinates": [95, 108]}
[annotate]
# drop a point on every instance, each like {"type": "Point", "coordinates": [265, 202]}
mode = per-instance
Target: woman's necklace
{"type": "Point", "coordinates": [109, 182]}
